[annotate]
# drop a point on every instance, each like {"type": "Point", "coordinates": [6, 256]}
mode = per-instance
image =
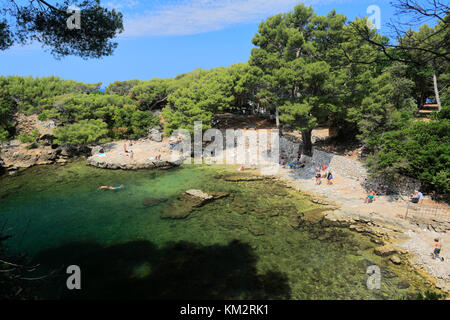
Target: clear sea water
{"type": "Point", "coordinates": [239, 247]}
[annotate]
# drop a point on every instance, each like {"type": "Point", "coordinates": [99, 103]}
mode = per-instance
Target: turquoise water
{"type": "Point", "coordinates": [239, 247]}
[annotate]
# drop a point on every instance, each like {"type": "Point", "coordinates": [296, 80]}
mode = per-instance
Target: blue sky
{"type": "Point", "coordinates": [164, 38]}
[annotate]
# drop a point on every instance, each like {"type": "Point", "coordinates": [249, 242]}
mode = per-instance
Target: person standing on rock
{"type": "Point", "coordinates": [437, 249]}
{"type": "Point", "coordinates": [330, 177]}
{"type": "Point", "coordinates": [318, 176]}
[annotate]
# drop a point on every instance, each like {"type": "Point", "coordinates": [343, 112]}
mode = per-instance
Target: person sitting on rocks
{"type": "Point", "coordinates": [303, 164]}
{"type": "Point", "coordinates": [416, 197]}
{"type": "Point", "coordinates": [437, 245]}
{"type": "Point", "coordinates": [370, 196]}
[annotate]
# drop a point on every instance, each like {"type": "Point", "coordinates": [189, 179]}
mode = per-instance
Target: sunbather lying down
{"type": "Point", "coordinates": [110, 188]}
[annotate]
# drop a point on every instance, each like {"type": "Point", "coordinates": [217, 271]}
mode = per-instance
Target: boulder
{"type": "Point", "coordinates": [395, 260]}
{"type": "Point", "coordinates": [154, 135]}
{"type": "Point", "coordinates": [403, 284]}
{"type": "Point", "coordinates": [377, 241]}
{"type": "Point", "coordinates": [199, 194]}
{"type": "Point", "coordinates": [96, 150]}
{"type": "Point", "coordinates": [385, 250]}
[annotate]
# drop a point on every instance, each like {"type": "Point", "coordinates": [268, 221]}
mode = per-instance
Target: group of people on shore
{"type": "Point", "coordinates": [297, 164]}
{"type": "Point", "coordinates": [321, 173]}
{"type": "Point", "coordinates": [128, 153]}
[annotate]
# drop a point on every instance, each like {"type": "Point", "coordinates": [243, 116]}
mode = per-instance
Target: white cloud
{"type": "Point", "coordinates": [185, 17]}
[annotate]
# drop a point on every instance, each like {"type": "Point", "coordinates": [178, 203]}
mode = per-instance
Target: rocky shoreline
{"type": "Point", "coordinates": [400, 240]}
{"type": "Point", "coordinates": [142, 154]}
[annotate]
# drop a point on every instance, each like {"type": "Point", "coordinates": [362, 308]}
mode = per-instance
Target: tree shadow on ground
{"type": "Point", "coordinates": [181, 270]}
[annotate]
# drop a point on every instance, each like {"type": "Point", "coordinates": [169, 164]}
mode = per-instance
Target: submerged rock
{"type": "Point", "coordinates": [150, 202]}
{"type": "Point", "coordinates": [255, 230]}
{"type": "Point", "coordinates": [185, 203]}
{"type": "Point", "coordinates": [395, 260]}
{"type": "Point", "coordinates": [238, 178]}
{"type": "Point", "coordinates": [403, 284]}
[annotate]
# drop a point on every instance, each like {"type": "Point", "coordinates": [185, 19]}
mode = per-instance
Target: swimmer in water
{"type": "Point", "coordinates": [110, 188]}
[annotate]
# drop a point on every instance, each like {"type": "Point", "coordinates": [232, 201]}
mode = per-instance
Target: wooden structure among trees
{"type": "Point", "coordinates": [428, 108]}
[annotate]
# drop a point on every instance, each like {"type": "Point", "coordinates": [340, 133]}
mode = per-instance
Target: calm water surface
{"type": "Point", "coordinates": [239, 247]}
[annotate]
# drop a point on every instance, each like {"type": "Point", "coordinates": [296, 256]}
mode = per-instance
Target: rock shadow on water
{"type": "Point", "coordinates": [179, 270]}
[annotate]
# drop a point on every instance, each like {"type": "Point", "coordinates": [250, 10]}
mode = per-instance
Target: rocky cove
{"type": "Point", "coordinates": [236, 235]}
{"type": "Point", "coordinates": [334, 208]}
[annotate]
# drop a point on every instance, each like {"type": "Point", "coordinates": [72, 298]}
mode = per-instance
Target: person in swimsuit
{"type": "Point", "coordinates": [370, 196]}
{"type": "Point", "coordinates": [318, 176]}
{"type": "Point", "coordinates": [330, 177]}
{"type": "Point", "coordinates": [437, 249]}
{"type": "Point", "coordinates": [110, 188]}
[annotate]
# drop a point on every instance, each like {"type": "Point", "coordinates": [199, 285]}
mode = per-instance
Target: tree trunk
{"type": "Point", "coordinates": [276, 117]}
{"type": "Point", "coordinates": [307, 143]}
{"type": "Point", "coordinates": [436, 91]}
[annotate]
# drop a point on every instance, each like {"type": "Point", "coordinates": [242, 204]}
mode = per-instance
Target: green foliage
{"type": "Point", "coordinates": [387, 105]}
{"type": "Point", "coordinates": [120, 113]}
{"type": "Point", "coordinates": [34, 94]}
{"type": "Point", "coordinates": [26, 138]}
{"type": "Point", "coordinates": [4, 135]}
{"type": "Point", "coordinates": [41, 21]}
{"type": "Point", "coordinates": [153, 94]}
{"type": "Point", "coordinates": [83, 132]}
{"type": "Point", "coordinates": [420, 150]}
{"type": "Point", "coordinates": [296, 55]}
{"type": "Point", "coordinates": [122, 88]}
{"type": "Point", "coordinates": [430, 295]}
{"type": "Point", "coordinates": [198, 100]}
{"type": "Point", "coordinates": [7, 109]}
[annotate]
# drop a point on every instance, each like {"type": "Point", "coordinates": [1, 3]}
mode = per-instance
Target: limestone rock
{"type": "Point", "coordinates": [199, 194]}
{"type": "Point", "coordinates": [395, 260]}
{"type": "Point", "coordinates": [377, 241]}
{"type": "Point", "coordinates": [154, 135]}
{"type": "Point", "coordinates": [96, 150]}
{"type": "Point", "coordinates": [385, 250]}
